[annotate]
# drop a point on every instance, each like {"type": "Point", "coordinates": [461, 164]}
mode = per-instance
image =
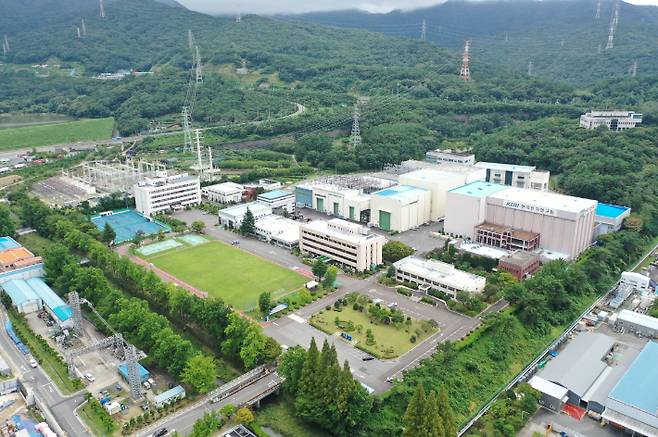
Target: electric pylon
{"type": "Point", "coordinates": [355, 136]}
{"type": "Point", "coordinates": [530, 68]}
{"type": "Point", "coordinates": [102, 8]}
{"type": "Point", "coordinates": [74, 302]}
{"type": "Point", "coordinates": [634, 69]}
{"type": "Point", "coordinates": [6, 44]}
{"type": "Point", "coordinates": [77, 30]}
{"type": "Point", "coordinates": [83, 26]}
{"type": "Point", "coordinates": [198, 72]}
{"type": "Point", "coordinates": [238, 18]}
{"type": "Point", "coordinates": [423, 31]}
{"type": "Point", "coordinates": [465, 71]}
{"type": "Point", "coordinates": [134, 380]}
{"type": "Point", "coordinates": [197, 141]}
{"type": "Point", "coordinates": [598, 10]}
{"type": "Point", "coordinates": [611, 35]}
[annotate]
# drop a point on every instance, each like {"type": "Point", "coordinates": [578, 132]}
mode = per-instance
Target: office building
{"type": "Point", "coordinates": [227, 192]}
{"type": "Point", "coordinates": [439, 181]}
{"type": "Point", "coordinates": [448, 156]}
{"type": "Point", "coordinates": [519, 176]}
{"type": "Point", "coordinates": [430, 274]}
{"type": "Point", "coordinates": [349, 244]}
{"type": "Point", "coordinates": [232, 217]}
{"type": "Point", "coordinates": [278, 230]}
{"type": "Point", "coordinates": [265, 184]}
{"type": "Point", "coordinates": [520, 264]}
{"type": "Point", "coordinates": [156, 195]}
{"type": "Point", "coordinates": [279, 201]}
{"type": "Point", "coordinates": [400, 208]}
{"type": "Point", "coordinates": [613, 120]}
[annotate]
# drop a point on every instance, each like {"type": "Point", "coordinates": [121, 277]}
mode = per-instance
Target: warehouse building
{"type": "Point", "coordinates": [637, 323]}
{"type": "Point", "coordinates": [613, 120]}
{"type": "Point", "coordinates": [520, 264]}
{"type": "Point", "coordinates": [349, 244]}
{"type": "Point", "coordinates": [430, 274]}
{"type": "Point", "coordinates": [170, 396]}
{"type": "Point", "coordinates": [278, 230]}
{"type": "Point", "coordinates": [637, 281]}
{"type": "Point", "coordinates": [144, 374]}
{"type": "Point", "coordinates": [609, 218]}
{"type": "Point", "coordinates": [34, 294]}
{"type": "Point", "coordinates": [400, 208]}
{"type": "Point", "coordinates": [156, 195]}
{"type": "Point", "coordinates": [227, 192]}
{"type": "Point", "coordinates": [279, 201]}
{"type": "Point", "coordinates": [449, 156]}
{"type": "Point", "coordinates": [439, 182]}
{"type": "Point", "coordinates": [24, 299]}
{"type": "Point", "coordinates": [232, 217]}
{"type": "Point", "coordinates": [519, 176]}
{"type": "Point", "coordinates": [466, 207]}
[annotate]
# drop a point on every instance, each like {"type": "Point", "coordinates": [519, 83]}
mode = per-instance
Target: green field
{"type": "Point", "coordinates": [45, 135]}
{"type": "Point", "coordinates": [227, 272]}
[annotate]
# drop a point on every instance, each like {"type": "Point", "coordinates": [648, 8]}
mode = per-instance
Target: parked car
{"type": "Point", "coordinates": [33, 363]}
{"type": "Point", "coordinates": [367, 358]}
{"type": "Point", "coordinates": [160, 432]}
{"type": "Point", "coordinates": [392, 305]}
{"type": "Point", "coordinates": [89, 377]}
{"type": "Point", "coordinates": [235, 242]}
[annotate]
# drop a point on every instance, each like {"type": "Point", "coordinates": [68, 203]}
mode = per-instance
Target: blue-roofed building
{"type": "Point", "coordinates": [609, 218]}
{"type": "Point", "coordinates": [633, 402]}
{"type": "Point", "coordinates": [7, 243]}
{"type": "Point", "coordinates": [400, 208]}
{"type": "Point", "coordinates": [22, 296]}
{"type": "Point", "coordinates": [278, 200]}
{"type": "Point", "coordinates": [59, 310]}
{"type": "Point", "coordinates": [169, 396]}
{"type": "Point", "coordinates": [143, 373]}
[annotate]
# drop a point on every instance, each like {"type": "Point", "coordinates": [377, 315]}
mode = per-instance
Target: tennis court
{"type": "Point", "coordinates": [151, 249]}
{"type": "Point", "coordinates": [192, 239]}
{"type": "Point", "coordinates": [127, 223]}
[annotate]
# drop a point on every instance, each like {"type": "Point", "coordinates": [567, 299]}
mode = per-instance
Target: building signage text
{"type": "Point", "coordinates": [529, 208]}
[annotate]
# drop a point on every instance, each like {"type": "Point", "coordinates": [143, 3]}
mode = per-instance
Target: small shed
{"type": "Point", "coordinates": [171, 395]}
{"type": "Point", "coordinates": [112, 407]}
{"type": "Point", "coordinates": [143, 373]}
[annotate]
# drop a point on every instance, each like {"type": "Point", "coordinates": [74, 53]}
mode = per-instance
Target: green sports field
{"type": "Point", "coordinates": [227, 272]}
{"type": "Point", "coordinates": [60, 133]}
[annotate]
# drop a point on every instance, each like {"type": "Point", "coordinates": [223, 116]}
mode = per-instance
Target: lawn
{"type": "Point", "coordinates": [390, 341]}
{"type": "Point", "coordinates": [229, 273]}
{"type": "Point", "coordinates": [35, 243]}
{"type": "Point", "coordinates": [93, 418]}
{"type": "Point", "coordinates": [44, 135]}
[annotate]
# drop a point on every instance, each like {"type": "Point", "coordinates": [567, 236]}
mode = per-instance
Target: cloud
{"type": "Point", "coordinates": [301, 6]}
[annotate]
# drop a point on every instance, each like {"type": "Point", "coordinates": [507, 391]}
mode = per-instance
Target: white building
{"type": "Point", "coordinates": [156, 195]}
{"type": "Point", "coordinates": [346, 243]}
{"type": "Point", "coordinates": [466, 206]}
{"type": "Point", "coordinates": [227, 192]}
{"type": "Point", "coordinates": [636, 280]}
{"type": "Point", "coordinates": [232, 217]}
{"type": "Point", "coordinates": [613, 120]}
{"type": "Point", "coordinates": [333, 199]}
{"type": "Point", "coordinates": [440, 181]}
{"type": "Point", "coordinates": [519, 176]}
{"type": "Point", "coordinates": [266, 184]}
{"type": "Point", "coordinates": [278, 230]}
{"type": "Point", "coordinates": [278, 200]}
{"type": "Point", "coordinates": [450, 157]}
{"type": "Point", "coordinates": [400, 208]}
{"type": "Point", "coordinates": [438, 275]}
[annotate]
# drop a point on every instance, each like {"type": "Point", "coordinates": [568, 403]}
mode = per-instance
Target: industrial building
{"type": "Point", "coordinates": [466, 206]}
{"type": "Point", "coordinates": [609, 218]}
{"type": "Point", "coordinates": [114, 177]}
{"type": "Point", "coordinates": [15, 258]}
{"type": "Point", "coordinates": [170, 396]}
{"type": "Point", "coordinates": [343, 242]}
{"type": "Point", "coordinates": [24, 299]}
{"type": "Point", "coordinates": [637, 323]}
{"type": "Point", "coordinates": [156, 195]}
{"type": "Point", "coordinates": [448, 156]}
{"type": "Point", "coordinates": [34, 294]}
{"type": "Point", "coordinates": [265, 184]}
{"type": "Point", "coordinates": [430, 274]}
{"type": "Point", "coordinates": [505, 237]}
{"type": "Point", "coordinates": [278, 230]}
{"type": "Point", "coordinates": [638, 281]}
{"type": "Point", "coordinates": [439, 182]}
{"type": "Point", "coordinates": [520, 264]}
{"type": "Point", "coordinates": [400, 208]}
{"type": "Point", "coordinates": [232, 217]}
{"type": "Point", "coordinates": [226, 192]}
{"type": "Point", "coordinates": [144, 374]}
{"type": "Point", "coordinates": [613, 120]}
{"type": "Point", "coordinates": [280, 201]}
{"type": "Point", "coordinates": [519, 176]}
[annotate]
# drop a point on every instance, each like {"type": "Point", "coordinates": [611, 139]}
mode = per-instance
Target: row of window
{"type": "Point", "coordinates": [343, 257]}
{"type": "Point", "coordinates": [405, 276]}
{"type": "Point", "coordinates": [329, 239]}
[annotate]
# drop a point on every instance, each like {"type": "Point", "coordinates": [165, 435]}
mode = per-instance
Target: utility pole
{"type": "Point", "coordinates": [77, 29]}
{"type": "Point", "coordinates": [611, 34]}
{"type": "Point", "coordinates": [197, 141]}
{"type": "Point", "coordinates": [102, 8]}
{"type": "Point", "coordinates": [355, 136]}
{"type": "Point", "coordinates": [238, 18]}
{"type": "Point", "coordinates": [598, 11]}
{"type": "Point", "coordinates": [423, 31]}
{"type": "Point", "coordinates": [84, 27]}
{"type": "Point", "coordinates": [190, 39]}
{"type": "Point", "coordinates": [530, 68]}
{"type": "Point", "coordinates": [634, 69]}
{"type": "Point", "coordinates": [465, 71]}
{"type": "Point", "coordinates": [6, 45]}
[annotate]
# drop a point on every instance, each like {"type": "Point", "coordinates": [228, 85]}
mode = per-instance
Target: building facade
{"type": "Point", "coordinates": [335, 200]}
{"type": "Point", "coordinates": [450, 157]}
{"type": "Point", "coordinates": [345, 243]}
{"type": "Point", "coordinates": [278, 230]}
{"type": "Point", "coordinates": [609, 218]}
{"type": "Point", "coordinates": [519, 176]}
{"type": "Point", "coordinates": [232, 217]}
{"type": "Point", "coordinates": [156, 195]}
{"type": "Point", "coordinates": [505, 237]}
{"type": "Point", "coordinates": [438, 275]}
{"type": "Point", "coordinates": [227, 192]}
{"type": "Point", "coordinates": [520, 264]}
{"type": "Point", "coordinates": [613, 120]}
{"type": "Point", "coordinates": [400, 208]}
{"type": "Point", "coordinates": [466, 206]}
{"type": "Point", "coordinates": [279, 201]}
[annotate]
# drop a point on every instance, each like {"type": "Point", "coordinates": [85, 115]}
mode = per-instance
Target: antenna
{"type": "Point", "coordinates": [530, 68]}
{"type": "Point", "coordinates": [84, 27]}
{"type": "Point", "coordinates": [77, 29]}
{"type": "Point", "coordinates": [102, 8]}
{"type": "Point", "coordinates": [238, 18]}
{"type": "Point", "coordinates": [598, 10]}
{"type": "Point", "coordinates": [355, 136]}
{"type": "Point", "coordinates": [423, 30]}
{"type": "Point", "coordinates": [465, 72]}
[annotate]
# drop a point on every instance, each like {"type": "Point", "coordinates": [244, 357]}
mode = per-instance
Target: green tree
{"type": "Point", "coordinates": [198, 226]}
{"type": "Point", "coordinates": [7, 224]}
{"type": "Point", "coordinates": [306, 400]}
{"type": "Point", "coordinates": [228, 410]}
{"type": "Point", "coordinates": [395, 250]}
{"type": "Point", "coordinates": [415, 418]}
{"type": "Point", "coordinates": [265, 303]}
{"type": "Point", "coordinates": [292, 363]}
{"type": "Point", "coordinates": [391, 272]}
{"type": "Point", "coordinates": [138, 238]}
{"type": "Point", "coordinates": [319, 268]}
{"type": "Point", "coordinates": [244, 416]}
{"type": "Point", "coordinates": [330, 277]}
{"type": "Point", "coordinates": [108, 234]}
{"type": "Point", "coordinates": [200, 372]}
{"type": "Point", "coordinates": [248, 225]}
{"type": "Point", "coordinates": [434, 418]}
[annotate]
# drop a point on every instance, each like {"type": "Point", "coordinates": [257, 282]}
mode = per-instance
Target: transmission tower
{"type": "Point", "coordinates": [598, 10]}
{"type": "Point", "coordinates": [355, 136]}
{"type": "Point", "coordinates": [634, 69]}
{"type": "Point", "coordinates": [197, 141]}
{"type": "Point", "coordinates": [599, 49]}
{"type": "Point", "coordinates": [134, 380]}
{"type": "Point", "coordinates": [611, 35]}
{"type": "Point", "coordinates": [77, 30]}
{"type": "Point", "coordinates": [102, 8]}
{"type": "Point", "coordinates": [4, 49]}
{"type": "Point", "coordinates": [465, 72]}
{"type": "Point", "coordinates": [6, 45]}
{"type": "Point", "coordinates": [530, 68]}
{"type": "Point", "coordinates": [190, 39]}
{"type": "Point", "coordinates": [616, 19]}
{"type": "Point", "coordinates": [74, 302]}
{"type": "Point", "coordinates": [187, 128]}
{"type": "Point", "coordinates": [238, 18]}
{"type": "Point", "coordinates": [423, 31]}
{"type": "Point", "coordinates": [197, 69]}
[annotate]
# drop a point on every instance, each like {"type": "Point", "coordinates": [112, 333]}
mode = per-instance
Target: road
{"type": "Point", "coordinates": [61, 406]}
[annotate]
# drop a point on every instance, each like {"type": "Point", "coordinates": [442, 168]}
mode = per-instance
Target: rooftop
{"type": "Point", "coordinates": [442, 273]}
{"type": "Point", "coordinates": [479, 189]}
{"type": "Point", "coordinates": [400, 191]}
{"type": "Point", "coordinates": [280, 228]}
{"type": "Point", "coordinates": [239, 431]}
{"type": "Point", "coordinates": [638, 387]}
{"type": "Point", "coordinates": [8, 243]}
{"type": "Point", "coordinates": [454, 152]}
{"type": "Point", "coordinates": [341, 229]}
{"type": "Point", "coordinates": [482, 250]}
{"type": "Point", "coordinates": [520, 258]}
{"type": "Point", "coordinates": [449, 172]}
{"type": "Point", "coordinates": [610, 211]}
{"type": "Point", "coordinates": [172, 392]}
{"type": "Point", "coordinates": [506, 167]}
{"type": "Point", "coordinates": [11, 256]}
{"type": "Point", "coordinates": [542, 200]}
{"type": "Point", "coordinates": [50, 299]}
{"type": "Point", "coordinates": [515, 233]}
{"type": "Point", "coordinates": [225, 188]}
{"type": "Point", "coordinates": [276, 194]}
{"type": "Point", "coordinates": [19, 291]}
{"type": "Point", "coordinates": [238, 210]}
{"type": "Point", "coordinates": [638, 319]}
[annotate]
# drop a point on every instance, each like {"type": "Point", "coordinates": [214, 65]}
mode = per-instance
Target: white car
{"type": "Point", "coordinates": [89, 377]}
{"type": "Point", "coordinates": [33, 363]}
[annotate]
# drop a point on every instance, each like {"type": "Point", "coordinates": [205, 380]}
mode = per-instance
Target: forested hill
{"type": "Point", "coordinates": [561, 38]}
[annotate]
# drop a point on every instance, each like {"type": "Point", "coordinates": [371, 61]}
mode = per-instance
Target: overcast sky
{"type": "Point", "coordinates": [299, 6]}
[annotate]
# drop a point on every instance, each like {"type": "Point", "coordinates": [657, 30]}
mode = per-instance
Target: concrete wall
{"type": "Point", "coordinates": [407, 211]}
{"type": "Point", "coordinates": [438, 187]}
{"type": "Point", "coordinates": [463, 213]}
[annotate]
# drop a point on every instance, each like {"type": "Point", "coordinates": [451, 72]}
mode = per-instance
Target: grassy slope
{"type": "Point", "coordinates": [229, 273]}
{"type": "Point", "coordinates": [34, 136]}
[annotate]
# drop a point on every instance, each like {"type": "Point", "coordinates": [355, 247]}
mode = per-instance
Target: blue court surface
{"type": "Point", "coordinates": [612, 211]}
{"type": "Point", "coordinates": [192, 239]}
{"type": "Point", "coordinates": [127, 223]}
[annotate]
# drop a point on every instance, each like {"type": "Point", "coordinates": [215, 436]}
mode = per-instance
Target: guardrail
{"type": "Point", "coordinates": [238, 383]}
